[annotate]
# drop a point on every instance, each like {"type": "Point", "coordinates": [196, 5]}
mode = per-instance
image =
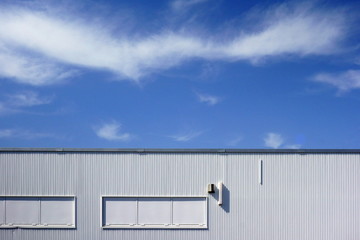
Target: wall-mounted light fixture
{"type": "Point", "coordinates": [211, 188]}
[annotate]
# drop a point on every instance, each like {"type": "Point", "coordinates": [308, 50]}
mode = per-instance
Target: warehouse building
{"type": "Point", "coordinates": [202, 194]}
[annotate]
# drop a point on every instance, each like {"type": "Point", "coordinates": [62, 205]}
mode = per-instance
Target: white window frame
{"type": "Point", "coordinates": [40, 225]}
{"type": "Point", "coordinates": [148, 226]}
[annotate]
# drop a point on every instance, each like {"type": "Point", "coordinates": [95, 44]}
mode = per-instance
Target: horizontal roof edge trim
{"type": "Point", "coordinates": [178, 150]}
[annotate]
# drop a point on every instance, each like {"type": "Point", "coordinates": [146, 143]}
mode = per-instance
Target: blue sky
{"type": "Point", "coordinates": [179, 74]}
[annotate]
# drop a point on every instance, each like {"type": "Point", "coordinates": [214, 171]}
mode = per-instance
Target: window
{"type": "Point", "coordinates": [37, 212]}
{"type": "Point", "coordinates": [154, 212]}
{"type": "Point", "coordinates": [189, 211]}
{"type": "Point", "coordinates": [58, 211]}
{"type": "Point", "coordinates": [22, 211]}
{"type": "Point", "coordinates": [120, 211]}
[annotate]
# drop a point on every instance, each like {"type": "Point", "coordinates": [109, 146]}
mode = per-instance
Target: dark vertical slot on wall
{"type": "Point", "coordinates": [103, 212]}
{"type": "Point", "coordinates": [261, 172]}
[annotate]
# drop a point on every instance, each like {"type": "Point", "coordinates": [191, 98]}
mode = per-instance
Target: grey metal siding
{"type": "Point", "coordinates": [303, 195]}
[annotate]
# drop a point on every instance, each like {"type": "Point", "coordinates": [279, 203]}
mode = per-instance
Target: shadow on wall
{"type": "Point", "coordinates": [225, 198]}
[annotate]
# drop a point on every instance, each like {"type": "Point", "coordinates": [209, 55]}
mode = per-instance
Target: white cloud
{"type": "Point", "coordinates": [38, 48]}
{"type": "Point", "coordinates": [111, 131]}
{"type": "Point", "coordinates": [27, 99]}
{"type": "Point", "coordinates": [297, 33]}
{"type": "Point", "coordinates": [234, 142]}
{"type": "Point", "coordinates": [18, 101]}
{"type": "Point", "coordinates": [344, 81]}
{"type": "Point", "coordinates": [208, 99]}
{"type": "Point", "coordinates": [181, 5]}
{"type": "Point", "coordinates": [273, 140]}
{"type": "Point", "coordinates": [24, 68]}
{"type": "Point", "coordinates": [6, 133]}
{"type": "Point", "coordinates": [293, 146]}
{"type": "Point", "coordinates": [186, 136]}
{"type": "Point", "coordinates": [23, 134]}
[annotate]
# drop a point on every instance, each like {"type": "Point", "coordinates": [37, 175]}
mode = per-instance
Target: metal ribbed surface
{"type": "Point", "coordinates": [303, 196]}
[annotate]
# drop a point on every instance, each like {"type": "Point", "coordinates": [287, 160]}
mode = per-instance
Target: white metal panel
{"type": "Point", "coordinates": [189, 211]}
{"type": "Point", "coordinates": [118, 211]}
{"type": "Point", "coordinates": [154, 211]}
{"type": "Point", "coordinates": [2, 210]}
{"type": "Point", "coordinates": [22, 211]}
{"type": "Point", "coordinates": [57, 211]}
{"type": "Point", "coordinates": [303, 196]}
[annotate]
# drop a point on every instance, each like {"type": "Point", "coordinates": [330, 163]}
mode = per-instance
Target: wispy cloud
{"type": "Point", "coordinates": [273, 140]}
{"type": "Point", "coordinates": [181, 5]}
{"type": "Point", "coordinates": [28, 99]}
{"type": "Point", "coordinates": [185, 137]}
{"type": "Point", "coordinates": [23, 134]}
{"type": "Point", "coordinates": [293, 146]}
{"type": "Point", "coordinates": [112, 132]}
{"type": "Point", "coordinates": [210, 71]}
{"type": "Point", "coordinates": [357, 61]}
{"type": "Point", "coordinates": [25, 68]}
{"type": "Point", "coordinates": [344, 81]}
{"type": "Point", "coordinates": [39, 48]}
{"type": "Point", "coordinates": [276, 140]}
{"type": "Point", "coordinates": [208, 99]}
{"type": "Point", "coordinates": [234, 142]}
{"type": "Point", "coordinates": [25, 99]}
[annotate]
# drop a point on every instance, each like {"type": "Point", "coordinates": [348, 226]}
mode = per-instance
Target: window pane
{"type": "Point", "coordinates": [22, 211]}
{"type": "Point", "coordinates": [57, 211]}
{"type": "Point", "coordinates": [154, 211]}
{"type": "Point", "coordinates": [189, 211]}
{"type": "Point", "coordinates": [119, 211]}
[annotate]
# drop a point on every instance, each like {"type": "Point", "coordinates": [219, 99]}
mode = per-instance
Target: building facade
{"type": "Point", "coordinates": [200, 194]}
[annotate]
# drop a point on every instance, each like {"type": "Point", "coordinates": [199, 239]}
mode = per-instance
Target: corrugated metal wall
{"type": "Point", "coordinates": [303, 196]}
